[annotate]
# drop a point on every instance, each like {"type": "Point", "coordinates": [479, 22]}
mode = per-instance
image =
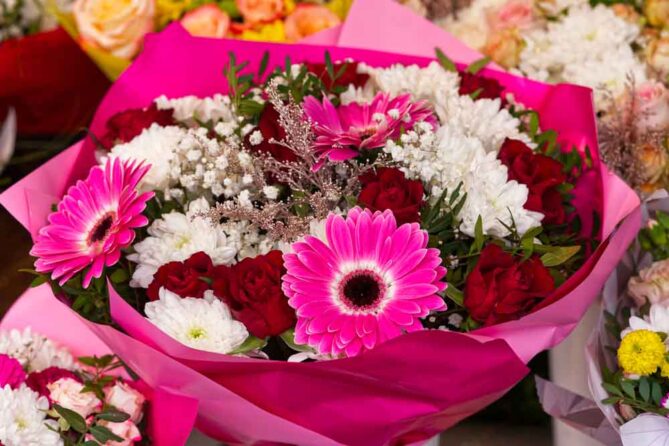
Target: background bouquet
{"type": "Point", "coordinates": [51, 397]}
{"type": "Point", "coordinates": [42, 69]}
{"type": "Point", "coordinates": [616, 48]}
{"type": "Point", "coordinates": [349, 155]}
{"type": "Point", "coordinates": [112, 33]}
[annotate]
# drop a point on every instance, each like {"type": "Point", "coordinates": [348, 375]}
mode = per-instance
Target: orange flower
{"type": "Point", "coordinates": [309, 19]}
{"type": "Point", "coordinates": [207, 21]}
{"type": "Point", "coordinates": [258, 11]}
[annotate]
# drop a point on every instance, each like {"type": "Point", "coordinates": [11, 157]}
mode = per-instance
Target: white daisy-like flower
{"type": "Point", "coordinates": [23, 419]}
{"type": "Point", "coordinates": [34, 351]}
{"type": "Point", "coordinates": [190, 109]}
{"type": "Point", "coordinates": [203, 324]}
{"type": "Point", "coordinates": [175, 237]}
{"type": "Point", "coordinates": [657, 320]}
{"type": "Point", "coordinates": [156, 146]}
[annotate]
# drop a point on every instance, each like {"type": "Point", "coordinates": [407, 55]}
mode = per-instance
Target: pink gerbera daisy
{"type": "Point", "coordinates": [94, 221]}
{"type": "Point", "coordinates": [342, 131]}
{"type": "Point", "coordinates": [368, 282]}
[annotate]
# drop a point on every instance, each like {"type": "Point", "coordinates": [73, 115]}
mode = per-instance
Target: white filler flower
{"type": "Point", "coordinates": [34, 351]}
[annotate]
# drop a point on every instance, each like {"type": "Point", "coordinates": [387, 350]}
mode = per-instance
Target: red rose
{"type": "Point", "coordinates": [270, 128]}
{"type": "Point", "coordinates": [388, 188]}
{"type": "Point", "coordinates": [350, 76]}
{"type": "Point", "coordinates": [502, 287]}
{"type": "Point", "coordinates": [125, 125]}
{"type": "Point", "coordinates": [252, 290]}
{"type": "Point", "coordinates": [541, 174]}
{"type": "Point", "coordinates": [488, 88]}
{"type": "Point", "coordinates": [187, 279]}
{"type": "Point", "coordinates": [38, 381]}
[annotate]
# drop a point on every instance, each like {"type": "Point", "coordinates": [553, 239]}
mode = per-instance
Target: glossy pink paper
{"type": "Point", "coordinates": [171, 415]}
{"type": "Point", "coordinates": [404, 391]}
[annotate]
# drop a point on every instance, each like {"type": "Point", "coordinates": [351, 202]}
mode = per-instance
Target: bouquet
{"type": "Point", "coordinates": [43, 69]}
{"type": "Point", "coordinates": [51, 397]}
{"type": "Point", "coordinates": [616, 48]}
{"type": "Point", "coordinates": [113, 36]}
{"type": "Point", "coordinates": [338, 208]}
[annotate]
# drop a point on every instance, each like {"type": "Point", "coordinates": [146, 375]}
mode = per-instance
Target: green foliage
{"type": "Point", "coordinates": [642, 395]}
{"type": "Point", "coordinates": [446, 63]}
{"type": "Point", "coordinates": [654, 237]}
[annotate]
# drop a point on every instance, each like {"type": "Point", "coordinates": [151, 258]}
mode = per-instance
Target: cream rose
{"type": "Point", "coordinates": [67, 392]}
{"type": "Point", "coordinates": [651, 106]}
{"type": "Point", "coordinates": [260, 11]}
{"type": "Point", "coordinates": [652, 284]}
{"type": "Point", "coordinates": [117, 26]}
{"type": "Point", "coordinates": [126, 430]}
{"type": "Point", "coordinates": [207, 21]}
{"type": "Point", "coordinates": [307, 20]}
{"type": "Point", "coordinates": [657, 54]}
{"type": "Point", "coordinates": [126, 399]}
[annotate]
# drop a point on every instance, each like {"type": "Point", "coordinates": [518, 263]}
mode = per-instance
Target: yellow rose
{"type": "Point", "coordinates": [307, 20]}
{"type": "Point", "coordinates": [117, 26]}
{"type": "Point", "coordinates": [207, 21]}
{"type": "Point", "coordinates": [657, 12]}
{"type": "Point", "coordinates": [504, 47]}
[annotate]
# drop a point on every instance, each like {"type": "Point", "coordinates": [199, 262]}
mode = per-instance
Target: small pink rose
{"type": "Point", "coordinates": [517, 14]}
{"type": "Point", "coordinates": [67, 392]}
{"type": "Point", "coordinates": [207, 21]}
{"type": "Point", "coordinates": [308, 19]}
{"type": "Point", "coordinates": [126, 399]}
{"type": "Point", "coordinates": [260, 11]}
{"type": "Point", "coordinates": [652, 285]}
{"type": "Point", "coordinates": [652, 106]}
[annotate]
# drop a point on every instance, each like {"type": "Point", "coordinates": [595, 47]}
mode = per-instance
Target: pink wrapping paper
{"type": "Point", "coordinates": [403, 391]}
{"type": "Point", "coordinates": [171, 415]}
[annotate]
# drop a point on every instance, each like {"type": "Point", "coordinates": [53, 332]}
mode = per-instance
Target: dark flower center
{"type": "Point", "coordinates": [362, 289]}
{"type": "Point", "coordinates": [101, 229]}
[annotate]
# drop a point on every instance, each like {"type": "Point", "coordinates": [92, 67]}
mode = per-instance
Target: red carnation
{"type": "Point", "coordinates": [270, 129]}
{"type": "Point", "coordinates": [502, 287]}
{"type": "Point", "coordinates": [252, 290]}
{"type": "Point", "coordinates": [541, 174]}
{"type": "Point", "coordinates": [487, 88]}
{"type": "Point", "coordinates": [187, 279]}
{"type": "Point", "coordinates": [388, 188]}
{"type": "Point", "coordinates": [125, 125]}
{"type": "Point", "coordinates": [350, 76]}
{"type": "Point", "coordinates": [38, 381]}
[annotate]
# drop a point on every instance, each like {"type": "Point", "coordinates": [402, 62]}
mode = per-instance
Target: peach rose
{"type": "Point", "coordinates": [513, 14]}
{"type": "Point", "coordinates": [307, 20]}
{"type": "Point", "coordinates": [117, 26]}
{"type": "Point", "coordinates": [626, 12]}
{"type": "Point", "coordinates": [259, 11]}
{"type": "Point", "coordinates": [657, 12]}
{"type": "Point", "coordinates": [67, 392]}
{"type": "Point", "coordinates": [207, 21]}
{"type": "Point", "coordinates": [657, 54]}
{"type": "Point", "coordinates": [652, 160]}
{"type": "Point", "coordinates": [126, 399]}
{"type": "Point", "coordinates": [504, 47]}
{"type": "Point", "coordinates": [652, 284]}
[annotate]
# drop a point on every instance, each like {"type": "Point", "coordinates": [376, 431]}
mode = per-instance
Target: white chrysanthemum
{"type": "Point", "coordinates": [589, 46]}
{"type": "Point", "coordinates": [156, 146]}
{"type": "Point", "coordinates": [204, 324]}
{"type": "Point", "coordinates": [175, 237]}
{"type": "Point", "coordinates": [483, 119]}
{"type": "Point", "coordinates": [34, 351]}
{"type": "Point", "coordinates": [448, 158]}
{"type": "Point", "coordinates": [657, 320]}
{"type": "Point", "coordinates": [189, 108]}
{"type": "Point", "coordinates": [23, 419]}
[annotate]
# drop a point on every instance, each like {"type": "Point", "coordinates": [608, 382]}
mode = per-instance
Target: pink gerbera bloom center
{"type": "Point", "coordinates": [362, 291]}
{"type": "Point", "coordinates": [100, 229]}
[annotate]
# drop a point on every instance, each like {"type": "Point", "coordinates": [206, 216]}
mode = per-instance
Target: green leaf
{"type": "Point", "coordinates": [644, 389]}
{"type": "Point", "coordinates": [478, 235]}
{"type": "Point", "coordinates": [113, 415]}
{"type": "Point", "coordinates": [251, 343]}
{"type": "Point", "coordinates": [119, 276]}
{"type": "Point", "coordinates": [611, 400]}
{"type": "Point", "coordinates": [444, 61]}
{"type": "Point", "coordinates": [613, 390]}
{"type": "Point", "coordinates": [478, 65]}
{"type": "Point", "coordinates": [629, 388]}
{"type": "Point", "coordinates": [288, 337]}
{"type": "Point", "coordinates": [656, 393]}
{"type": "Point", "coordinates": [455, 295]}
{"type": "Point", "coordinates": [103, 435]}
{"type": "Point", "coordinates": [559, 255]}
{"type": "Point", "coordinates": [533, 124]}
{"type": "Point", "coordinates": [75, 420]}
{"type": "Point", "coordinates": [329, 67]}
{"type": "Point", "coordinates": [90, 443]}
{"type": "Point", "coordinates": [37, 281]}
{"type": "Point", "coordinates": [263, 64]}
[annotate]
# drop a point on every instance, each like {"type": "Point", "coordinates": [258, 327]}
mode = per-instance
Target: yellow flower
{"type": "Point", "coordinates": [641, 352]}
{"type": "Point", "coordinates": [664, 369]}
{"type": "Point", "coordinates": [339, 7]}
{"type": "Point", "coordinates": [271, 32]}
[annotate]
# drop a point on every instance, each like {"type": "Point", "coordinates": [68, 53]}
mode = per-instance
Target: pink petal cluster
{"type": "Point", "coordinates": [11, 372]}
{"type": "Point", "coordinates": [341, 132]}
{"type": "Point", "coordinates": [367, 282]}
{"type": "Point", "coordinates": [38, 381]}
{"type": "Point", "coordinates": [94, 221]}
